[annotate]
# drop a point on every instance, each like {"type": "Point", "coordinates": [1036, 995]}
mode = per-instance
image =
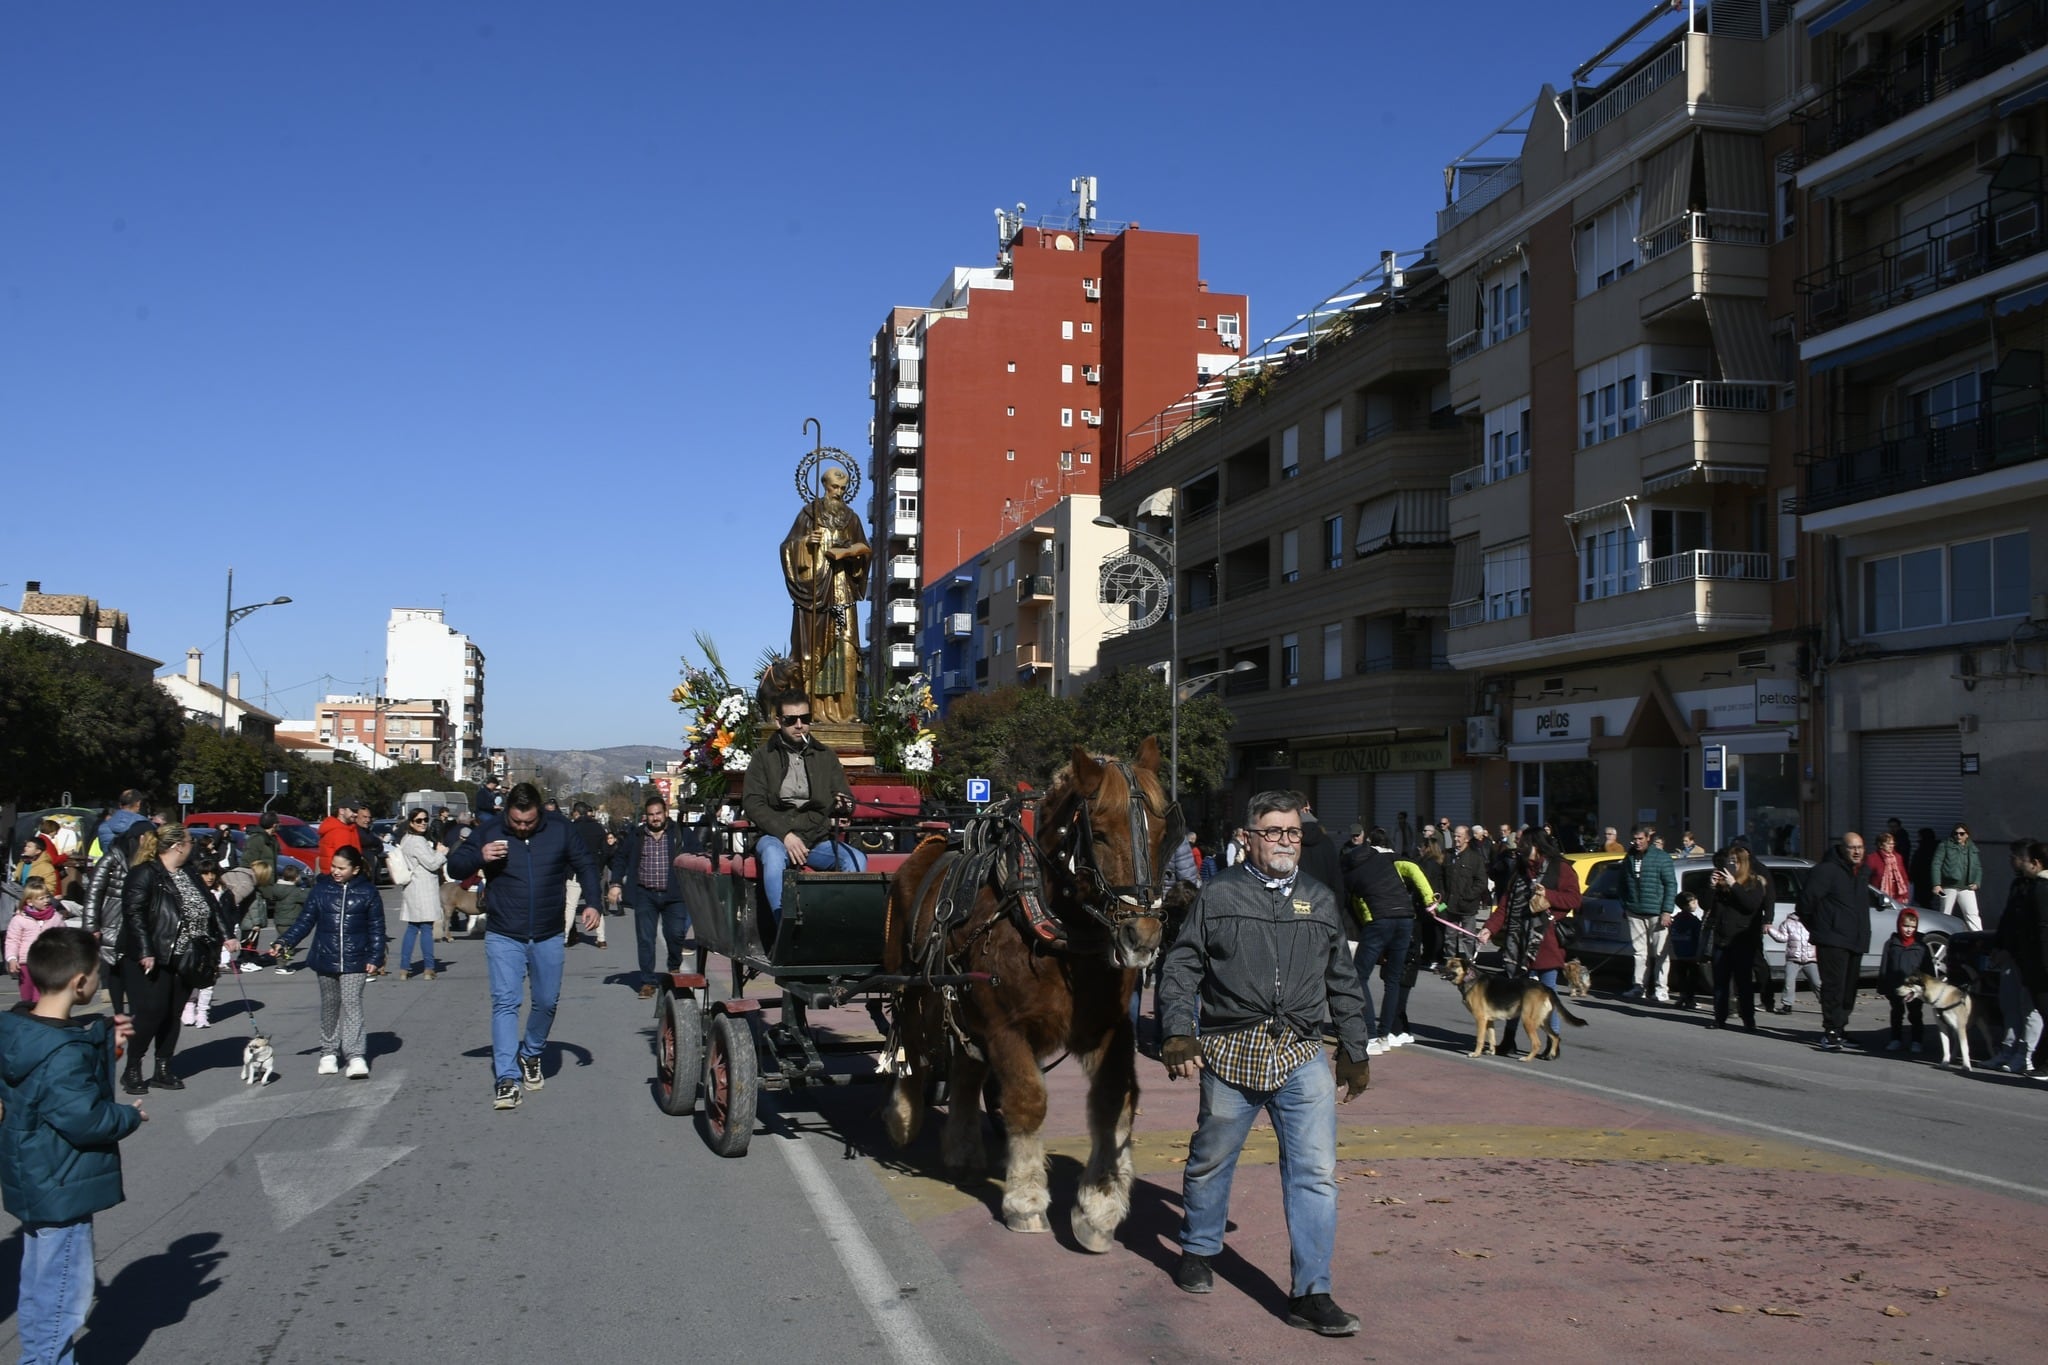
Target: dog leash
{"type": "Point", "coordinates": [248, 1008]}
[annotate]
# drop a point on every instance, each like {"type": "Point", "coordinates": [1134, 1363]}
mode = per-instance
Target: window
{"type": "Point", "coordinates": [1202, 324]}
{"type": "Point", "coordinates": [1013, 367]}
{"type": "Point", "coordinates": [1066, 417]}
{"type": "Point", "coordinates": [1788, 532]}
{"type": "Point", "coordinates": [1012, 412]}
{"type": "Point", "coordinates": [1087, 457]}
{"type": "Point", "coordinates": [1788, 206]}
{"type": "Point", "coordinates": [1087, 413]}
{"type": "Point", "coordinates": [906, 505]}
{"type": "Point", "coordinates": [1507, 581]}
{"type": "Point", "coordinates": [348, 725]}
{"type": "Point", "coordinates": [1609, 394]}
{"type": "Point", "coordinates": [1066, 331]}
{"type": "Point", "coordinates": [1507, 441]}
{"type": "Point", "coordinates": [998, 643]}
{"type": "Point", "coordinates": [1606, 244]}
{"type": "Point", "coordinates": [1333, 542]}
{"type": "Point", "coordinates": [1087, 327]}
{"type": "Point", "coordinates": [1610, 558]}
{"type": "Point", "coordinates": [1067, 461]}
{"type": "Point", "coordinates": [1010, 455]}
{"type": "Point", "coordinates": [1226, 328]}
{"type": "Point", "coordinates": [1974, 580]}
{"type": "Point", "coordinates": [1066, 374]}
{"type": "Point", "coordinates": [1290, 452]}
{"type": "Point", "coordinates": [1290, 556]}
{"type": "Point", "coordinates": [1333, 431]}
{"type": "Point", "coordinates": [1949, 403]}
{"type": "Point", "coordinates": [1504, 296]}
{"type": "Point", "coordinates": [1333, 651]}
{"type": "Point", "coordinates": [1290, 661]}
{"type": "Point", "coordinates": [1677, 531]}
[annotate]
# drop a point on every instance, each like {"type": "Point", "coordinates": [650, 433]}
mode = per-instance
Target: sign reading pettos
{"type": "Point", "coordinates": [1563, 719]}
{"type": "Point", "coordinates": [1364, 755]}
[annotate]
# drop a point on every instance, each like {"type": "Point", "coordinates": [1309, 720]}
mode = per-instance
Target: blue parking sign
{"type": "Point", "coordinates": [1714, 767]}
{"type": "Point", "coordinates": [978, 791]}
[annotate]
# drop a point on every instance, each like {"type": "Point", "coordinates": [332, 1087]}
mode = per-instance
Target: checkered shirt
{"type": "Point", "coordinates": [1253, 1059]}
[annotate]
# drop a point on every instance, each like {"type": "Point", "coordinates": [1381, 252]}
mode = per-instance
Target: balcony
{"type": "Point", "coordinates": [1706, 251]}
{"type": "Point", "coordinates": [1707, 225]}
{"type": "Point", "coordinates": [1869, 99]}
{"type": "Point", "coordinates": [1492, 505]}
{"type": "Point", "coordinates": [1465, 480]}
{"type": "Point", "coordinates": [903, 611]}
{"type": "Point", "coordinates": [902, 656]}
{"type": "Point", "coordinates": [1032, 660]}
{"type": "Point", "coordinates": [1411, 452]}
{"type": "Point", "coordinates": [1034, 588]}
{"type": "Point", "coordinates": [1970, 242]}
{"type": "Point", "coordinates": [1913, 459]}
{"type": "Point", "coordinates": [903, 569]}
{"type": "Point", "coordinates": [1699, 592]}
{"type": "Point", "coordinates": [1665, 67]}
{"type": "Point", "coordinates": [904, 440]}
{"type": "Point", "coordinates": [1701, 422]}
{"type": "Point", "coordinates": [954, 681]}
{"type": "Point", "coordinates": [906, 397]}
{"type": "Point", "coordinates": [959, 625]}
{"type": "Point", "coordinates": [903, 525]}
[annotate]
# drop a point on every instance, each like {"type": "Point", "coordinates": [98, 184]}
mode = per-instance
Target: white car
{"type": "Point", "coordinates": [1603, 925]}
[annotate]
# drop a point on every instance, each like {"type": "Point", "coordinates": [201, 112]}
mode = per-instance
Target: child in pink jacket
{"type": "Point", "coordinates": [36, 914]}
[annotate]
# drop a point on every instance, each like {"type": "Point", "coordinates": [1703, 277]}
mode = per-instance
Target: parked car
{"type": "Point", "coordinates": [295, 838]}
{"type": "Point", "coordinates": [239, 836]}
{"type": "Point", "coordinates": [1603, 925]}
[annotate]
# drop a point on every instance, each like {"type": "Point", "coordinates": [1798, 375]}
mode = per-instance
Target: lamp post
{"type": "Point", "coordinates": [234, 614]}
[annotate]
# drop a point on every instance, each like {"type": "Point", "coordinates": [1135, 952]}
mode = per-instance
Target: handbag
{"type": "Point", "coordinates": [400, 867]}
{"type": "Point", "coordinates": [1567, 931]}
{"type": "Point", "coordinates": [195, 957]}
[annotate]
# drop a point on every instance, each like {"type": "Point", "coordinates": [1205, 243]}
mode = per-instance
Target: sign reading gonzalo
{"type": "Point", "coordinates": [1365, 754]}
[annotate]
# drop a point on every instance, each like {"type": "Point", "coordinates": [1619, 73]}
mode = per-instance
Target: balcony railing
{"type": "Point", "coordinates": [1867, 100]}
{"type": "Point", "coordinates": [1394, 426]}
{"type": "Point", "coordinates": [1706, 225]}
{"type": "Point", "coordinates": [959, 625]}
{"type": "Point", "coordinates": [1663, 67]}
{"type": "Point", "coordinates": [1465, 480]}
{"type": "Point", "coordinates": [1695, 564]}
{"type": "Point", "coordinates": [1245, 587]}
{"type": "Point", "coordinates": [1919, 457]}
{"type": "Point", "coordinates": [1035, 587]}
{"type": "Point", "coordinates": [1393, 663]}
{"type": "Point", "coordinates": [1962, 246]}
{"type": "Point", "coordinates": [1470, 612]}
{"type": "Point", "coordinates": [906, 438]}
{"type": "Point", "coordinates": [1710, 396]}
{"type": "Point", "coordinates": [1464, 347]}
{"type": "Point", "coordinates": [1479, 194]}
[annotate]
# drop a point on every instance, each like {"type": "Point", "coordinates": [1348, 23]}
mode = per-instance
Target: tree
{"type": "Point", "coordinates": [1010, 735]}
{"type": "Point", "coordinates": [1118, 710]}
{"type": "Point", "coordinates": [226, 771]}
{"type": "Point", "coordinates": [79, 718]}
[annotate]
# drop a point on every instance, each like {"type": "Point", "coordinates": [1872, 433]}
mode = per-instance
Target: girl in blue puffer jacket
{"type": "Point", "coordinates": [345, 915]}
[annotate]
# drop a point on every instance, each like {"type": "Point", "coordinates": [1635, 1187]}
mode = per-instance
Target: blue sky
{"type": "Point", "coordinates": [519, 307]}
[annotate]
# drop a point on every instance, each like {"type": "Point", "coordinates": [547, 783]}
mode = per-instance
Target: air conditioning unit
{"type": "Point", "coordinates": [1863, 52]}
{"type": "Point", "coordinates": [1998, 144]}
{"type": "Point", "coordinates": [1094, 419]}
{"type": "Point", "coordinates": [2039, 611]}
{"type": "Point", "coordinates": [1230, 341]}
{"type": "Point", "coordinates": [1482, 735]}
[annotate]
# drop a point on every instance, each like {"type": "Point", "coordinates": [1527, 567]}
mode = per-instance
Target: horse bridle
{"type": "Point", "coordinates": [1072, 864]}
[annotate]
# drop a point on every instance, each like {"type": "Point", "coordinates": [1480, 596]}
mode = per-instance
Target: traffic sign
{"type": "Point", "coordinates": [1714, 767]}
{"type": "Point", "coordinates": [185, 793]}
{"type": "Point", "coordinates": [978, 791]}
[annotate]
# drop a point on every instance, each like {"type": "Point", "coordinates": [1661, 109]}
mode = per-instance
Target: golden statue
{"type": "Point", "coordinates": [825, 567]}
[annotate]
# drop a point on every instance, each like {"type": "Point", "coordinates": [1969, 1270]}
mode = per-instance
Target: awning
{"type": "Point", "coordinates": [1548, 751]}
{"type": "Point", "coordinates": [1468, 580]}
{"type": "Point", "coordinates": [1602, 509]}
{"type": "Point", "coordinates": [1736, 179]}
{"type": "Point", "coordinates": [2024, 97]}
{"type": "Point", "coordinates": [1751, 740]}
{"type": "Point", "coordinates": [1924, 330]}
{"type": "Point", "coordinates": [1822, 23]}
{"type": "Point", "coordinates": [2021, 301]}
{"type": "Point", "coordinates": [1464, 304]}
{"type": "Point", "coordinates": [1376, 524]}
{"type": "Point", "coordinates": [1742, 339]}
{"type": "Point", "coordinates": [1667, 185]}
{"type": "Point", "coordinates": [1706, 473]}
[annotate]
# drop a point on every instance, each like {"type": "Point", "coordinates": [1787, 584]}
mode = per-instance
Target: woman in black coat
{"type": "Point", "coordinates": [1737, 909]}
{"type": "Point", "coordinates": [155, 900]}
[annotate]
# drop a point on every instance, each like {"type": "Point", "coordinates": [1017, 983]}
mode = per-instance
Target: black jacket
{"type": "Point", "coordinates": [1369, 876]}
{"type": "Point", "coordinates": [1319, 856]}
{"type": "Point", "coordinates": [1467, 888]}
{"type": "Point", "coordinates": [626, 857]}
{"type": "Point", "coordinates": [762, 799]}
{"type": "Point", "coordinates": [1899, 962]}
{"type": "Point", "coordinates": [1251, 954]}
{"type": "Point", "coordinates": [523, 891]}
{"type": "Point", "coordinates": [2023, 932]}
{"type": "Point", "coordinates": [1835, 903]}
{"type": "Point", "coordinates": [103, 914]}
{"type": "Point", "coordinates": [150, 912]}
{"type": "Point", "coordinates": [1738, 910]}
{"type": "Point", "coordinates": [347, 922]}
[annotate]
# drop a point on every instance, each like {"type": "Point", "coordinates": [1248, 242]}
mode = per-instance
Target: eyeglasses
{"type": "Point", "coordinates": [1962, 834]}
{"type": "Point", "coordinates": [1290, 835]}
{"type": "Point", "coordinates": [802, 719]}
{"type": "Point", "coordinates": [417, 820]}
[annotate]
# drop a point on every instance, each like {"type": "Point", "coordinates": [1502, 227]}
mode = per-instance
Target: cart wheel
{"type": "Point", "coordinates": [731, 1085]}
{"type": "Point", "coordinates": [678, 1053]}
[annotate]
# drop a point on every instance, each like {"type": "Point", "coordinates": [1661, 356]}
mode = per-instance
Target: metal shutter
{"type": "Point", "coordinates": [1913, 774]}
{"type": "Point", "coordinates": [1454, 797]}
{"type": "Point", "coordinates": [1337, 805]}
{"type": "Point", "coordinates": [1393, 793]}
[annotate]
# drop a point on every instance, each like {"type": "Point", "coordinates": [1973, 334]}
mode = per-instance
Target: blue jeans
{"type": "Point", "coordinates": [1304, 1113]}
{"type": "Point", "coordinates": [56, 1289]}
{"type": "Point", "coordinates": [513, 964]}
{"type": "Point", "coordinates": [1391, 937]}
{"type": "Point", "coordinates": [1509, 1027]}
{"type": "Point", "coordinates": [663, 910]}
{"type": "Point", "coordinates": [423, 930]}
{"type": "Point", "coordinates": [830, 856]}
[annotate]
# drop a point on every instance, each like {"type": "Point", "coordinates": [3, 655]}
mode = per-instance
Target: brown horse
{"type": "Point", "coordinates": [1064, 923]}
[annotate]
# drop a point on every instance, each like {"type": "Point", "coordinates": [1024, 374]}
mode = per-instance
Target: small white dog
{"type": "Point", "coordinates": [259, 1062]}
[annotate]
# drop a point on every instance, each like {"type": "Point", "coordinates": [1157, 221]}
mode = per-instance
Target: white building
{"type": "Point", "coordinates": [426, 657]}
{"type": "Point", "coordinates": [202, 701]}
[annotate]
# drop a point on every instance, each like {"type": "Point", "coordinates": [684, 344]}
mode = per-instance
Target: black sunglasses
{"type": "Point", "coordinates": [803, 719]}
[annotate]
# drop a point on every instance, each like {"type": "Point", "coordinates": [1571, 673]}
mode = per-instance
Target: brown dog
{"type": "Point", "coordinates": [1577, 980]}
{"type": "Point", "coordinates": [1497, 998]}
{"type": "Point", "coordinates": [456, 901]}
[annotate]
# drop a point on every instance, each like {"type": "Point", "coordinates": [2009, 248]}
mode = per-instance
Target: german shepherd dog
{"type": "Point", "coordinates": [1951, 1006]}
{"type": "Point", "coordinates": [1497, 998]}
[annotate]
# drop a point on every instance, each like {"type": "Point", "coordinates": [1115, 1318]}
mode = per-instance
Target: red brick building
{"type": "Point", "coordinates": [1016, 385]}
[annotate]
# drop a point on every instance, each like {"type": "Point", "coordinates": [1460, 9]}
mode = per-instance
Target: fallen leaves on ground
{"type": "Point", "coordinates": [1781, 1312]}
{"type": "Point", "coordinates": [1729, 1308]}
{"type": "Point", "coordinates": [1892, 1310]}
{"type": "Point", "coordinates": [1473, 1255]}
{"type": "Point", "coordinates": [1389, 1199]}
{"type": "Point", "coordinates": [1940, 1291]}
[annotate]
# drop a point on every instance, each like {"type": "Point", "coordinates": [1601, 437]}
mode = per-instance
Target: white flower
{"type": "Point", "coordinates": [917, 755]}
{"type": "Point", "coordinates": [737, 760]}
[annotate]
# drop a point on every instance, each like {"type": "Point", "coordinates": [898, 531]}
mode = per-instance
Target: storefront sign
{"type": "Point", "coordinates": [1563, 719]}
{"type": "Point", "coordinates": [1375, 756]}
{"type": "Point", "coordinates": [1714, 767]}
{"type": "Point", "coordinates": [1777, 700]}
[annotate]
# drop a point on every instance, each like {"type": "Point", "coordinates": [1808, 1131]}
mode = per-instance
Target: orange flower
{"type": "Point", "coordinates": [723, 741]}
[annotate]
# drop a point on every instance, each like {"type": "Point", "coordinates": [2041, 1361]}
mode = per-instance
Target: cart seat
{"type": "Point", "coordinates": [886, 862]}
{"type": "Point", "coordinates": [699, 863]}
{"type": "Point", "coordinates": [727, 865]}
{"type": "Point", "coordinates": [746, 867]}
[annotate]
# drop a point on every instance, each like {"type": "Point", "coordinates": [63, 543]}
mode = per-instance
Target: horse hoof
{"type": "Point", "coordinates": [1091, 1237]}
{"type": "Point", "coordinates": [1028, 1222]}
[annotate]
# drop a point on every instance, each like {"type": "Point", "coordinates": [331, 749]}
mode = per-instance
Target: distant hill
{"type": "Point", "coordinates": [589, 770]}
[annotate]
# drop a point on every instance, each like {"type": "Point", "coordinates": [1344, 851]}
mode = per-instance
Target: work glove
{"type": "Point", "coordinates": [1356, 1075]}
{"type": "Point", "coordinates": [1180, 1054]}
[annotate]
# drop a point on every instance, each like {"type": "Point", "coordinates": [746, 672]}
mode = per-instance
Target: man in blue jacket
{"type": "Point", "coordinates": [527, 856]}
{"type": "Point", "coordinates": [1649, 894]}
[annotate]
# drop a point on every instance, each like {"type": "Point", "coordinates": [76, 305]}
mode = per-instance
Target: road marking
{"type": "Point", "coordinates": [903, 1332]}
{"type": "Point", "coordinates": [261, 1104]}
{"type": "Point", "coordinates": [1879, 1155]}
{"type": "Point", "coordinates": [1900, 1087]}
{"type": "Point", "coordinates": [300, 1182]}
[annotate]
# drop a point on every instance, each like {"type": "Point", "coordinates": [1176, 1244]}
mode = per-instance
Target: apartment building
{"type": "Point", "coordinates": [426, 657]}
{"type": "Point", "coordinates": [1305, 497]}
{"type": "Point", "coordinates": [1923, 486]}
{"type": "Point", "coordinates": [402, 731]}
{"type": "Point", "coordinates": [1006, 393]}
{"type": "Point", "coordinates": [1621, 261]}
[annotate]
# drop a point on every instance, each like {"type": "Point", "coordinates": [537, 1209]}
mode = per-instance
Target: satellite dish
{"type": "Point", "coordinates": [1063, 243]}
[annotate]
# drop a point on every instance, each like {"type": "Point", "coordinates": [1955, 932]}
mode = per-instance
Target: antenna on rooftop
{"type": "Point", "coordinates": [1084, 187]}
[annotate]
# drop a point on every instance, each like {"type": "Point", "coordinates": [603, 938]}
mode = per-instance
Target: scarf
{"type": "Point", "coordinates": [46, 911]}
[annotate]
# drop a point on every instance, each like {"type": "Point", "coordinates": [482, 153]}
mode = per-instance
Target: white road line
{"type": "Point", "coordinates": [903, 1332]}
{"type": "Point", "coordinates": [1876, 1154]}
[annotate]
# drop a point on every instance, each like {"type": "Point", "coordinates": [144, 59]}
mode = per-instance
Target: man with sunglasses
{"type": "Point", "coordinates": [1262, 958]}
{"type": "Point", "coordinates": [794, 784]}
{"type": "Point", "coordinates": [1958, 871]}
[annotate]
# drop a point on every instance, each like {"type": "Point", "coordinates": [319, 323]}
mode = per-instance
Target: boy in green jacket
{"type": "Point", "coordinates": [58, 1161]}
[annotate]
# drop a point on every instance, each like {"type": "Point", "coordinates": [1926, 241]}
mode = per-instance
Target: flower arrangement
{"type": "Point", "coordinates": [903, 743]}
{"type": "Point", "coordinates": [719, 741]}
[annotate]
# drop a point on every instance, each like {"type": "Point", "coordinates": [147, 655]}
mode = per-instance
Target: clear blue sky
{"type": "Point", "coordinates": [519, 307]}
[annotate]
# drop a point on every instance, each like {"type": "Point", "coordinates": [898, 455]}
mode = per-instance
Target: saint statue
{"type": "Point", "coordinates": [825, 566]}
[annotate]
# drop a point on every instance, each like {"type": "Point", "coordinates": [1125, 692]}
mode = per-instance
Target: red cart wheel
{"type": "Point", "coordinates": [732, 1085]}
{"type": "Point", "coordinates": [678, 1053]}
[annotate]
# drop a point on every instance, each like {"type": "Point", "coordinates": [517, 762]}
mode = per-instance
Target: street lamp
{"type": "Point", "coordinates": [1192, 688]}
{"type": "Point", "coordinates": [234, 614]}
{"type": "Point", "coordinates": [1168, 547]}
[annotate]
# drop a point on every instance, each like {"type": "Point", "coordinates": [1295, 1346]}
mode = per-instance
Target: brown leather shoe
{"type": "Point", "coordinates": [647, 992]}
